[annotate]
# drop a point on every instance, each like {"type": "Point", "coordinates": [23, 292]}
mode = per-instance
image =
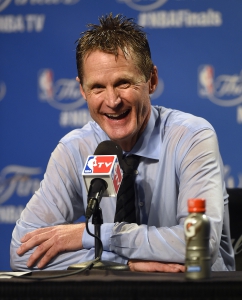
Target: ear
{"type": "Point", "coordinates": [81, 89]}
{"type": "Point", "coordinates": [82, 92]}
{"type": "Point", "coordinates": [153, 80]}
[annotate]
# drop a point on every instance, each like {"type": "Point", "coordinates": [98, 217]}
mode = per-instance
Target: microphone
{"type": "Point", "coordinates": [95, 193]}
{"type": "Point", "coordinates": [102, 174]}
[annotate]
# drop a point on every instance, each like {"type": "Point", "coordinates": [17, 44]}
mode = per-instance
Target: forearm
{"type": "Point", "coordinates": [62, 261]}
{"type": "Point", "coordinates": [141, 242]}
{"type": "Point", "coordinates": [52, 248]}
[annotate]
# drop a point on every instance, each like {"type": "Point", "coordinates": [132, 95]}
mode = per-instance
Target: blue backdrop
{"type": "Point", "coordinates": [196, 45]}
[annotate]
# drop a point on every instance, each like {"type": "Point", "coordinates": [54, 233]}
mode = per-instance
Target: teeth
{"type": "Point", "coordinates": [113, 116]}
{"type": "Point", "coordinates": [116, 116]}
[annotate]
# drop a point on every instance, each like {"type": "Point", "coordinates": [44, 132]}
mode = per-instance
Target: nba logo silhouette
{"type": "Point", "coordinates": [206, 80]}
{"type": "Point", "coordinates": [89, 164]}
{"type": "Point", "coordinates": [46, 84]}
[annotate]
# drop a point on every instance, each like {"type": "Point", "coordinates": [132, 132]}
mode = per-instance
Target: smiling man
{"type": "Point", "coordinates": [179, 159]}
{"type": "Point", "coordinates": [117, 94]}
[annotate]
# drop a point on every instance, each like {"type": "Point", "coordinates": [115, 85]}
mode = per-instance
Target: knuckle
{"type": "Point", "coordinates": [54, 230]}
{"type": "Point", "coordinates": [58, 239]}
{"type": "Point", "coordinates": [26, 236]}
{"type": "Point", "coordinates": [22, 247]}
{"type": "Point", "coordinates": [34, 239]}
{"type": "Point", "coordinates": [41, 248]}
{"type": "Point", "coordinates": [49, 255]}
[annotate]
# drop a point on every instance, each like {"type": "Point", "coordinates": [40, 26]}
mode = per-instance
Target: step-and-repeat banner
{"type": "Point", "coordinates": [196, 45]}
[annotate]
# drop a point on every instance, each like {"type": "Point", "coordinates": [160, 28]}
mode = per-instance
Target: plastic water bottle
{"type": "Point", "coordinates": [197, 232]}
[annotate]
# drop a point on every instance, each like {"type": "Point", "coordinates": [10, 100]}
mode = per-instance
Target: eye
{"type": "Point", "coordinates": [97, 88]}
{"type": "Point", "coordinates": [123, 84]}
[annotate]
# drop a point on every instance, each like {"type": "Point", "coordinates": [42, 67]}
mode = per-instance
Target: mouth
{"type": "Point", "coordinates": [118, 116]}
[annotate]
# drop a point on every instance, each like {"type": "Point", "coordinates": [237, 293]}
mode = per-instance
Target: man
{"type": "Point", "coordinates": [179, 159]}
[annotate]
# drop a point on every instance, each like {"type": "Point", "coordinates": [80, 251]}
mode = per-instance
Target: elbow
{"type": "Point", "coordinates": [13, 264]}
{"type": "Point", "coordinates": [17, 263]}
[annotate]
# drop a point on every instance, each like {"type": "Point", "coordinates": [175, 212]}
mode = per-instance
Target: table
{"type": "Point", "coordinates": [110, 285]}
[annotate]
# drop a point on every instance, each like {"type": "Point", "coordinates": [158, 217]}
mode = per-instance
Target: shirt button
{"type": "Point", "coordinates": [136, 172]}
{"type": "Point", "coordinates": [141, 204]}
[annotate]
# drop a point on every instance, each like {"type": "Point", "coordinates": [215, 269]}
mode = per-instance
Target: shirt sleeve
{"type": "Point", "coordinates": [199, 173]}
{"type": "Point", "coordinates": [59, 200]}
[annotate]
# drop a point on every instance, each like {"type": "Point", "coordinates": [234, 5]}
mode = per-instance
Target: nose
{"type": "Point", "coordinates": [112, 97]}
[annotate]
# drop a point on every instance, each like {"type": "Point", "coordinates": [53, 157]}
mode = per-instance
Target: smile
{"type": "Point", "coordinates": [118, 116]}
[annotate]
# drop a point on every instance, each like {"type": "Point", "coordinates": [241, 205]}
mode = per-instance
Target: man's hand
{"type": "Point", "coordinates": [154, 266]}
{"type": "Point", "coordinates": [50, 242]}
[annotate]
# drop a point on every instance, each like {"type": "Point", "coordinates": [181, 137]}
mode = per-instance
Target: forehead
{"type": "Point", "coordinates": [99, 57]}
{"type": "Point", "coordinates": [99, 63]}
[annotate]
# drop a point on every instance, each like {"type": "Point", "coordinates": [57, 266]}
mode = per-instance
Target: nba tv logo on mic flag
{"type": "Point", "coordinates": [105, 167]}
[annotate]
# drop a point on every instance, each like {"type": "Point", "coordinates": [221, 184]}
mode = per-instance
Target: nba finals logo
{"type": "Point", "coordinates": [223, 90]}
{"type": "Point", "coordinates": [143, 5]}
{"type": "Point", "coordinates": [63, 94]}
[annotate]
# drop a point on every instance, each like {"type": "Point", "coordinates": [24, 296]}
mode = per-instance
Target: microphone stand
{"type": "Point", "coordinates": [97, 221]}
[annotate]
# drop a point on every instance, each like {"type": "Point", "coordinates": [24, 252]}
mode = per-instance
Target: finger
{"type": "Point", "coordinates": [34, 241]}
{"type": "Point", "coordinates": [29, 235]}
{"type": "Point", "coordinates": [58, 240]}
{"type": "Point", "coordinates": [40, 251]}
{"type": "Point", "coordinates": [51, 253]}
{"type": "Point", "coordinates": [167, 268]}
{"type": "Point", "coordinates": [151, 266]}
{"type": "Point", "coordinates": [131, 266]}
{"type": "Point", "coordinates": [51, 248]}
{"type": "Point", "coordinates": [181, 268]}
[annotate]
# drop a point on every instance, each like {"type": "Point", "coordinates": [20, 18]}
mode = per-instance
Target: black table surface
{"type": "Point", "coordinates": [109, 284]}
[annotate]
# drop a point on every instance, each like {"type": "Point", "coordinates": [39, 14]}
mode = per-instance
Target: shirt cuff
{"type": "Point", "coordinates": [106, 231]}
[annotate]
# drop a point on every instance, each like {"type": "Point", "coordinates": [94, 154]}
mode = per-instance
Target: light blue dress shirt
{"type": "Point", "coordinates": [179, 160]}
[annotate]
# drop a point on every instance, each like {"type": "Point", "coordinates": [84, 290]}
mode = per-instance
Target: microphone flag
{"type": "Point", "coordinates": [105, 167]}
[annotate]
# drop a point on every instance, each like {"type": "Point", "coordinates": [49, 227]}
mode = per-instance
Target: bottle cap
{"type": "Point", "coordinates": [196, 205]}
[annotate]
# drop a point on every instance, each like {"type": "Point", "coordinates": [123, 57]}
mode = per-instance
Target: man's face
{"type": "Point", "coordinates": [117, 96]}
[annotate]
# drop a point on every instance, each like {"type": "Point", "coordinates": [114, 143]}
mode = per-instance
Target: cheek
{"type": "Point", "coordinates": [144, 106]}
{"type": "Point", "coordinates": [93, 104]}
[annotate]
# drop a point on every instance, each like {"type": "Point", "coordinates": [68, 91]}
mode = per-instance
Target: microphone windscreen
{"type": "Point", "coordinates": [109, 148]}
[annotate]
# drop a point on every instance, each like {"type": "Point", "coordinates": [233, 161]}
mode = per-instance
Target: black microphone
{"type": "Point", "coordinates": [95, 193]}
{"type": "Point", "coordinates": [109, 148]}
{"type": "Point", "coordinates": [98, 185]}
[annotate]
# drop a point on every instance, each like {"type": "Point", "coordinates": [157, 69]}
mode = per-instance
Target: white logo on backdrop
{"type": "Point", "coordinates": [224, 90]}
{"type": "Point", "coordinates": [20, 23]}
{"type": "Point", "coordinates": [144, 5]}
{"type": "Point", "coordinates": [45, 2]}
{"type": "Point", "coordinates": [180, 18]}
{"type": "Point", "coordinates": [2, 90]}
{"type": "Point", "coordinates": [18, 179]}
{"type": "Point", "coordinates": [4, 4]}
{"type": "Point", "coordinates": [62, 94]}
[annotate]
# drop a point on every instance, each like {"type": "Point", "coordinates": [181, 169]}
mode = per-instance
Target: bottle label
{"type": "Point", "coordinates": [193, 269]}
{"type": "Point", "coordinates": [189, 227]}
